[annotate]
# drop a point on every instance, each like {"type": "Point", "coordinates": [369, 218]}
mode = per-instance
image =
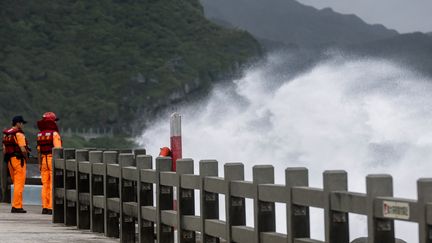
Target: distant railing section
{"type": "Point", "coordinates": [88, 133]}
{"type": "Point", "coordinates": [112, 192]}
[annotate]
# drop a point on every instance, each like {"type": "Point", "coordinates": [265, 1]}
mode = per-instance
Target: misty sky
{"type": "Point", "coordinates": [401, 15]}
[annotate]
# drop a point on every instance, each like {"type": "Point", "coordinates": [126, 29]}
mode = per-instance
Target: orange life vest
{"type": "Point", "coordinates": [45, 138]}
{"type": "Point", "coordinates": [10, 142]}
{"type": "Point", "coordinates": [45, 141]}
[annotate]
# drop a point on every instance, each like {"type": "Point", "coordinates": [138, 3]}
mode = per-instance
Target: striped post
{"type": "Point", "coordinates": [176, 141]}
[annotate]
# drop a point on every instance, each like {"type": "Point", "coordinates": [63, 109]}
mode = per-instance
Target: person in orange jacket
{"type": "Point", "coordinates": [47, 139]}
{"type": "Point", "coordinates": [16, 153]}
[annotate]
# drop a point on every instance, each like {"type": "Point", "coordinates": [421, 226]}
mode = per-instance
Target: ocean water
{"type": "Point", "coordinates": [361, 115]}
{"type": "Point", "coordinates": [32, 194]}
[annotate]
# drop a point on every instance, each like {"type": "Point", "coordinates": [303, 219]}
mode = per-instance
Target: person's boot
{"type": "Point", "coordinates": [44, 210]}
{"type": "Point", "coordinates": [49, 211]}
{"type": "Point", "coordinates": [18, 210]}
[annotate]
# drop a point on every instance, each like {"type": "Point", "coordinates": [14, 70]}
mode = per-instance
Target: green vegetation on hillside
{"type": "Point", "coordinates": [106, 63]}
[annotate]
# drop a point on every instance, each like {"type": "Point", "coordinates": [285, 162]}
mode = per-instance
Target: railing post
{"type": "Point", "coordinates": [264, 212]}
{"type": "Point", "coordinates": [185, 201]}
{"type": "Point", "coordinates": [58, 183]}
{"type": "Point", "coordinates": [3, 177]}
{"type": "Point", "coordinates": [164, 201]}
{"type": "Point", "coordinates": [97, 219]}
{"type": "Point", "coordinates": [138, 152]}
{"type": "Point", "coordinates": [127, 194]}
{"type": "Point", "coordinates": [70, 186]}
{"type": "Point", "coordinates": [4, 174]}
{"type": "Point", "coordinates": [424, 195]}
{"type": "Point", "coordinates": [82, 183]}
{"type": "Point", "coordinates": [145, 198]}
{"type": "Point", "coordinates": [124, 151]}
{"type": "Point", "coordinates": [209, 201]}
{"type": "Point", "coordinates": [379, 230]}
{"type": "Point", "coordinates": [336, 223]}
{"type": "Point", "coordinates": [111, 190]}
{"type": "Point", "coordinates": [235, 207]}
{"type": "Point", "coordinates": [298, 221]}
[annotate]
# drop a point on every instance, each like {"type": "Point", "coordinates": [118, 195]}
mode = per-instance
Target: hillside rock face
{"type": "Point", "coordinates": [106, 63]}
{"type": "Point", "coordinates": [289, 22]}
{"type": "Point", "coordinates": [413, 50]}
{"type": "Point", "coordinates": [308, 32]}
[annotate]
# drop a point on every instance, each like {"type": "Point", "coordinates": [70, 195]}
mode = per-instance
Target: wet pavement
{"type": "Point", "coordinates": [35, 227]}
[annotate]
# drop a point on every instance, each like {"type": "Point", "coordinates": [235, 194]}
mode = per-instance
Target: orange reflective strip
{"type": "Point", "coordinates": [57, 140]}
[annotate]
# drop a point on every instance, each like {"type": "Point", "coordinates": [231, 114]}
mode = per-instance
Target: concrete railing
{"type": "Point", "coordinates": [88, 133]}
{"type": "Point", "coordinates": [112, 192]}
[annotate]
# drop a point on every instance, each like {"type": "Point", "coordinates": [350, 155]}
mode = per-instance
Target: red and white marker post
{"type": "Point", "coordinates": [176, 140]}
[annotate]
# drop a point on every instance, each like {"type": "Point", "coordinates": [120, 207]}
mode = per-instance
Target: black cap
{"type": "Point", "coordinates": [18, 119]}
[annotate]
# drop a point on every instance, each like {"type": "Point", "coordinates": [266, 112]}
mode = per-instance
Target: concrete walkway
{"type": "Point", "coordinates": [35, 227]}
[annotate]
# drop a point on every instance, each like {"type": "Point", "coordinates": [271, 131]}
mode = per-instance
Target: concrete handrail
{"type": "Point", "coordinates": [113, 191]}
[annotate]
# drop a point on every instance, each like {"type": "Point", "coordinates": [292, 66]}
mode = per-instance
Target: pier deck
{"type": "Point", "coordinates": [35, 227]}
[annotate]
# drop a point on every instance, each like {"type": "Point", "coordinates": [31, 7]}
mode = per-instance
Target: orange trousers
{"type": "Point", "coordinates": [18, 176]}
{"type": "Point", "coordinates": [46, 175]}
